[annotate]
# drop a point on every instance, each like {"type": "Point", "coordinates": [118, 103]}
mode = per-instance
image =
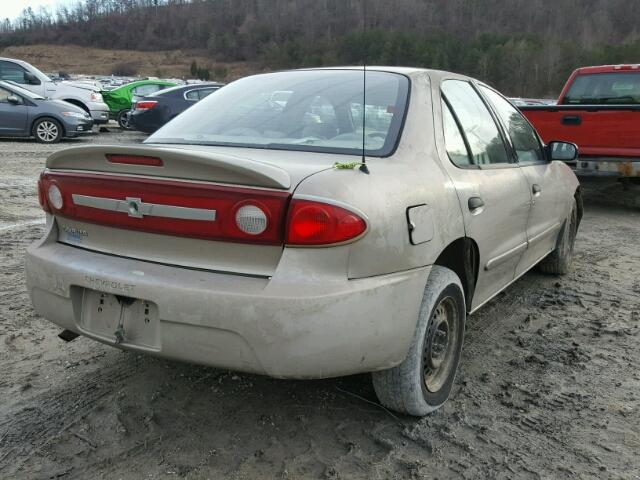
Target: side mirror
{"type": "Point", "coordinates": [31, 79]}
{"type": "Point", "coordinates": [563, 151]}
{"type": "Point", "coordinates": [14, 99]}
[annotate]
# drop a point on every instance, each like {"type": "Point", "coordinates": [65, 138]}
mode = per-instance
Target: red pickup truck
{"type": "Point", "coordinates": [599, 110]}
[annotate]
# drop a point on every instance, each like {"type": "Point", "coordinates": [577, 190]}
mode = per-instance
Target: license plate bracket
{"type": "Point", "coordinates": [121, 320]}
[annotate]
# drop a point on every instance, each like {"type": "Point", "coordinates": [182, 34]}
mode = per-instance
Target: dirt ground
{"type": "Point", "coordinates": [549, 384]}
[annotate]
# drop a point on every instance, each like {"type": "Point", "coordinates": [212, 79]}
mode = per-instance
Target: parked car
{"type": "Point", "coordinates": [120, 99]}
{"type": "Point", "coordinates": [30, 78]}
{"type": "Point", "coordinates": [25, 114]}
{"type": "Point", "coordinates": [253, 236]}
{"type": "Point", "coordinates": [599, 110]}
{"type": "Point", "coordinates": [153, 111]}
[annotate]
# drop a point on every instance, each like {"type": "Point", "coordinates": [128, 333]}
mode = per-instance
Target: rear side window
{"type": "Point", "coordinates": [454, 141]}
{"type": "Point", "coordinates": [143, 90]}
{"type": "Point", "coordinates": [205, 91]}
{"type": "Point", "coordinates": [192, 95]}
{"type": "Point", "coordinates": [523, 137]}
{"type": "Point", "coordinates": [11, 71]}
{"type": "Point", "coordinates": [605, 89]}
{"type": "Point", "coordinates": [198, 94]}
{"type": "Point", "coordinates": [480, 130]}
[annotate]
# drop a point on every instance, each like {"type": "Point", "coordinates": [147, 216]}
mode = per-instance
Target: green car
{"type": "Point", "coordinates": [121, 99]}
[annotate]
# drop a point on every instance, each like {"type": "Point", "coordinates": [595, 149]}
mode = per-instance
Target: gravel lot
{"type": "Point", "coordinates": [549, 385]}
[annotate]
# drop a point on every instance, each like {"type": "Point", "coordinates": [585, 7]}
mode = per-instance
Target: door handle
{"type": "Point", "coordinates": [536, 189]}
{"type": "Point", "coordinates": [476, 205]}
{"type": "Point", "coordinates": [571, 120]}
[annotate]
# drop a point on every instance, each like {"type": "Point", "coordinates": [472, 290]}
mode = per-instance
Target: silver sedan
{"type": "Point", "coordinates": [300, 225]}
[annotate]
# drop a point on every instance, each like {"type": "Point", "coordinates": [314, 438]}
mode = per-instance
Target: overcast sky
{"type": "Point", "coordinates": [12, 8]}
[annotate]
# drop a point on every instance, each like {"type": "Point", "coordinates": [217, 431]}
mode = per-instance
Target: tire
{"type": "Point", "coordinates": [123, 119]}
{"type": "Point", "coordinates": [418, 386]}
{"type": "Point", "coordinates": [559, 261]}
{"type": "Point", "coordinates": [47, 130]}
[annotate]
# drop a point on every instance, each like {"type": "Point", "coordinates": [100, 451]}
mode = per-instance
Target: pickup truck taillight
{"type": "Point", "coordinates": [145, 104]}
{"type": "Point", "coordinates": [313, 223]}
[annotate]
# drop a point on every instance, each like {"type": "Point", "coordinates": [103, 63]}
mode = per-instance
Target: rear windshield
{"type": "Point", "coordinates": [314, 110]}
{"type": "Point", "coordinates": [605, 89]}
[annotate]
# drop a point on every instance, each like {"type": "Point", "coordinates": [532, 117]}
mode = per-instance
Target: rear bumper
{"type": "Point", "coordinates": [606, 167]}
{"type": "Point", "coordinates": [288, 326]}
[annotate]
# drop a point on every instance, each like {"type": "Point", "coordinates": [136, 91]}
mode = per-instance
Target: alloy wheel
{"type": "Point", "coordinates": [47, 131]}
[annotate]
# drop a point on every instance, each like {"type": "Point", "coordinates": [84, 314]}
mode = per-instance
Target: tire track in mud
{"type": "Point", "coordinates": [24, 431]}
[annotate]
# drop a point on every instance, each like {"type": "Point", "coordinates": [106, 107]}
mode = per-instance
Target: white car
{"type": "Point", "coordinates": [83, 95]}
{"type": "Point", "coordinates": [250, 234]}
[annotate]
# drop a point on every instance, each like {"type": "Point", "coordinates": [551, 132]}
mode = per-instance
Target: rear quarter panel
{"type": "Point", "coordinates": [411, 176]}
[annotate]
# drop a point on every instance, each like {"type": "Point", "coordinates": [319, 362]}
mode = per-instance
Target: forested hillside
{"type": "Point", "coordinates": [524, 47]}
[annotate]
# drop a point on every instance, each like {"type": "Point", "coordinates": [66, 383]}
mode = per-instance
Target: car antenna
{"type": "Point", "coordinates": [363, 164]}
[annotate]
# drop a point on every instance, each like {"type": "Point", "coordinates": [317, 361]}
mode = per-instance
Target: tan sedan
{"type": "Point", "coordinates": [329, 232]}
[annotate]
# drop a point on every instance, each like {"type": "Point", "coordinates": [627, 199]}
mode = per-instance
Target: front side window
{"type": "Point", "coordinates": [12, 72]}
{"type": "Point", "coordinates": [523, 137]}
{"type": "Point", "coordinates": [605, 89]}
{"type": "Point", "coordinates": [480, 130]}
{"type": "Point", "coordinates": [4, 95]}
{"type": "Point", "coordinates": [454, 141]}
{"type": "Point", "coordinates": [312, 110]}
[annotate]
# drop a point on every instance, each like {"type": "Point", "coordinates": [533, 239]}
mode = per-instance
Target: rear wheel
{"type": "Point", "coordinates": [123, 119]}
{"type": "Point", "coordinates": [559, 261]}
{"type": "Point", "coordinates": [422, 382]}
{"type": "Point", "coordinates": [47, 130]}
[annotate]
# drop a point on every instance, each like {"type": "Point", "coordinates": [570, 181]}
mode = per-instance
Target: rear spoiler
{"type": "Point", "coordinates": [177, 163]}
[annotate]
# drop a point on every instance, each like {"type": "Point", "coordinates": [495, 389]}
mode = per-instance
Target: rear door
{"type": "Point", "coordinates": [493, 192]}
{"type": "Point", "coordinates": [543, 179]}
{"type": "Point", "coordinates": [13, 117]}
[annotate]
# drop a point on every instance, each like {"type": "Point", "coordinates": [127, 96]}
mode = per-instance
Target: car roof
{"type": "Point", "coordinates": [137, 83]}
{"type": "Point", "coordinates": [15, 60]}
{"type": "Point", "coordinates": [191, 86]}
{"type": "Point", "coordinates": [407, 71]}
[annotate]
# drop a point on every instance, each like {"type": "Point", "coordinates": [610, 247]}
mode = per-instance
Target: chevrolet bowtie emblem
{"type": "Point", "coordinates": [134, 207]}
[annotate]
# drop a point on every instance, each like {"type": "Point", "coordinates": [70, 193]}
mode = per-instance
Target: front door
{"type": "Point", "coordinates": [13, 118]}
{"type": "Point", "coordinates": [543, 179]}
{"type": "Point", "coordinates": [492, 190]}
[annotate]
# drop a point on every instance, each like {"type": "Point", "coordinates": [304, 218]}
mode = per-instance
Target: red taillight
{"type": "Point", "coordinates": [145, 104]}
{"type": "Point", "coordinates": [317, 223]}
{"type": "Point", "coordinates": [135, 160]}
{"type": "Point", "coordinates": [211, 212]}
